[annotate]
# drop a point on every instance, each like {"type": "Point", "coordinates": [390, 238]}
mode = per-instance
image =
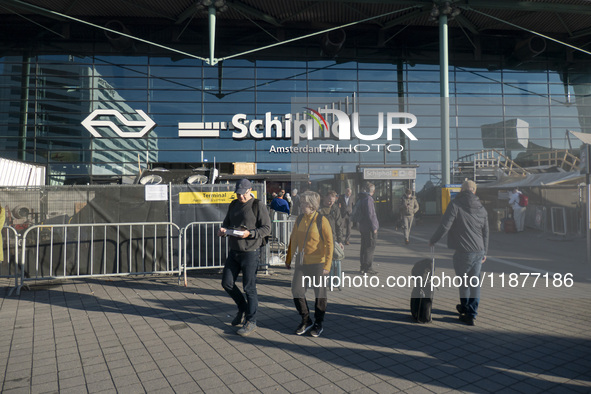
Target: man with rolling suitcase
{"type": "Point", "coordinates": [466, 224]}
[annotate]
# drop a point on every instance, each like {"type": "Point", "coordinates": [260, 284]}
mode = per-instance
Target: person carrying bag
{"type": "Point", "coordinates": [310, 250]}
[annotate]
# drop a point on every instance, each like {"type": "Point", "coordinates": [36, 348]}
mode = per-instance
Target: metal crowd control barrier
{"type": "Point", "coordinates": [115, 249]}
{"type": "Point", "coordinates": [280, 233]}
{"type": "Point", "coordinates": [203, 249]}
{"type": "Point", "coordinates": [100, 249]}
{"type": "Point", "coordinates": [9, 265]}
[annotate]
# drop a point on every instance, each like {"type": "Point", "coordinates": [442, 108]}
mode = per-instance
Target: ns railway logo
{"type": "Point", "coordinates": [91, 122]}
{"type": "Point", "coordinates": [309, 126]}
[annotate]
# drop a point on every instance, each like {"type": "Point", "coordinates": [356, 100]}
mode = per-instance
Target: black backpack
{"type": "Point", "coordinates": [255, 210]}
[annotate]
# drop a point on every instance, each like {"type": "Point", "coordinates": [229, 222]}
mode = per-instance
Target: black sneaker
{"type": "Point", "coordinates": [469, 320]}
{"type": "Point", "coordinates": [316, 330]}
{"type": "Point", "coordinates": [248, 328]}
{"type": "Point", "coordinates": [461, 310]}
{"type": "Point", "coordinates": [304, 326]}
{"type": "Point", "coordinates": [371, 272]}
{"type": "Point", "coordinates": [239, 319]}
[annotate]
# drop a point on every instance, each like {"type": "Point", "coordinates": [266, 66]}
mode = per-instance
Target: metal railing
{"type": "Point", "coordinates": [202, 247]}
{"type": "Point", "coordinates": [100, 249]}
{"type": "Point", "coordinates": [63, 251]}
{"type": "Point", "coordinates": [9, 265]}
{"type": "Point", "coordinates": [278, 243]}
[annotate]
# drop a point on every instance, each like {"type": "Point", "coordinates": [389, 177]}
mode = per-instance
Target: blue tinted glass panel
{"type": "Point", "coordinates": [384, 86]}
{"type": "Point", "coordinates": [422, 87]}
{"type": "Point", "coordinates": [175, 72]}
{"type": "Point", "coordinates": [288, 85]}
{"type": "Point", "coordinates": [172, 97]}
{"type": "Point", "coordinates": [525, 77]}
{"type": "Point", "coordinates": [176, 83]}
{"type": "Point", "coordinates": [332, 74]}
{"type": "Point", "coordinates": [229, 108]}
{"type": "Point", "coordinates": [478, 88]}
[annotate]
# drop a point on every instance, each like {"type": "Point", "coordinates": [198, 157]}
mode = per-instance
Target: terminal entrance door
{"type": "Point", "coordinates": [387, 199]}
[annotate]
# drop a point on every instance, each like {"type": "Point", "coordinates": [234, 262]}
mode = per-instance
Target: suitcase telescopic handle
{"type": "Point", "coordinates": [432, 261]}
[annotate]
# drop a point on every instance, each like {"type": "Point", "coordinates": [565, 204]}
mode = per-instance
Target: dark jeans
{"type": "Point", "coordinates": [469, 263]}
{"type": "Point", "coordinates": [368, 246]}
{"type": "Point", "coordinates": [246, 262]}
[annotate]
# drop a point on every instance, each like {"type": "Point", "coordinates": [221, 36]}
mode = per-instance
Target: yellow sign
{"type": "Point", "coordinates": [208, 197]}
{"type": "Point", "coordinates": [448, 192]}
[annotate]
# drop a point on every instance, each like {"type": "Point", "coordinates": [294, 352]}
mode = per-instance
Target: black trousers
{"type": "Point", "coordinates": [368, 247]}
{"type": "Point", "coordinates": [304, 277]}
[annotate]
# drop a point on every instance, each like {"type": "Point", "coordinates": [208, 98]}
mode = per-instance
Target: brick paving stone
{"type": "Point", "coordinates": [155, 384]}
{"type": "Point", "coordinates": [211, 383]}
{"type": "Point", "coordinates": [100, 386]}
{"type": "Point", "coordinates": [275, 390]}
{"type": "Point", "coordinates": [296, 386]}
{"type": "Point", "coordinates": [50, 387]}
{"type": "Point", "coordinates": [186, 388]}
{"type": "Point", "coordinates": [349, 384]}
{"type": "Point", "coordinates": [331, 389]}
{"type": "Point", "coordinates": [242, 387]}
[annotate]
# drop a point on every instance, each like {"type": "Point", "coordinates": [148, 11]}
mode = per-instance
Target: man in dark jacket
{"type": "Point", "coordinates": [466, 223]}
{"type": "Point", "coordinates": [332, 212]}
{"type": "Point", "coordinates": [368, 227]}
{"type": "Point", "coordinates": [248, 223]}
{"type": "Point", "coordinates": [346, 203]}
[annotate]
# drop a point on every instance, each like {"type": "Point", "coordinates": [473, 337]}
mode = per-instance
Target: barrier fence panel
{"type": "Point", "coordinates": [280, 233]}
{"type": "Point", "coordinates": [202, 247]}
{"type": "Point", "coordinates": [9, 262]}
{"type": "Point", "coordinates": [100, 249]}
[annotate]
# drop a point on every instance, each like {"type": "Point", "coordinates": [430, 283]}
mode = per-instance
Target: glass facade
{"type": "Point", "coordinates": [44, 99]}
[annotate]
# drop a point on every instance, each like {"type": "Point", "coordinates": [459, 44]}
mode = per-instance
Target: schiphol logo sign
{"type": "Point", "coordinates": [313, 125]}
{"type": "Point", "coordinates": [91, 122]}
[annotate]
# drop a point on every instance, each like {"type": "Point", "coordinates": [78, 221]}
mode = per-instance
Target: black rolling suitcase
{"type": "Point", "coordinates": [421, 298]}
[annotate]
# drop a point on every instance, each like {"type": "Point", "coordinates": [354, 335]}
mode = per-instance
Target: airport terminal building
{"type": "Point", "coordinates": [97, 91]}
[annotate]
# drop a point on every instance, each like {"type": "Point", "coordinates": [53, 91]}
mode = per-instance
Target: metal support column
{"type": "Point", "coordinates": [212, 20]}
{"type": "Point", "coordinates": [444, 81]}
{"type": "Point", "coordinates": [401, 109]}
{"type": "Point", "coordinates": [24, 106]}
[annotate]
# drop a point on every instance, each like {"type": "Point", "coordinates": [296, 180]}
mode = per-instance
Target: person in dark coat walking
{"type": "Point", "coordinates": [466, 224]}
{"type": "Point", "coordinates": [368, 227]}
{"type": "Point", "coordinates": [248, 222]}
{"type": "Point", "coordinates": [346, 203]}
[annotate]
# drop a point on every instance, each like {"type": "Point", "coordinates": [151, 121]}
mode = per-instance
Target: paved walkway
{"type": "Point", "coordinates": [147, 334]}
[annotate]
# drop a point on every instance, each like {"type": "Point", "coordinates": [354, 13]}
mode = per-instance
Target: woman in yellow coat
{"type": "Point", "coordinates": [312, 236]}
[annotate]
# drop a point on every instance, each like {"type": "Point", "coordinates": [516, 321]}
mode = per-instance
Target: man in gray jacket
{"type": "Point", "coordinates": [466, 224]}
